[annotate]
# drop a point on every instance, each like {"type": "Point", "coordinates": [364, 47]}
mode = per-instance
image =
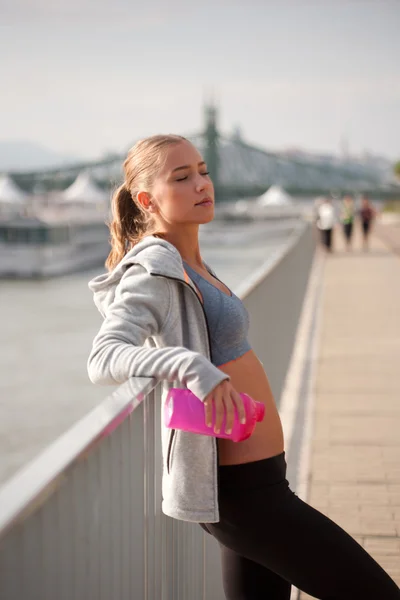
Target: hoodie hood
{"type": "Point", "coordinates": [156, 255]}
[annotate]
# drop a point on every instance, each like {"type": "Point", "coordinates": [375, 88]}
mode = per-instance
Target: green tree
{"type": "Point", "coordinates": [396, 169]}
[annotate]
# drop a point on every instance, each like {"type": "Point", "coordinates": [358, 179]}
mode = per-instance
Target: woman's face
{"type": "Point", "coordinates": [183, 192]}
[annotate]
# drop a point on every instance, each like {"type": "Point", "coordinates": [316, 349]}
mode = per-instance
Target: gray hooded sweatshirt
{"type": "Point", "coordinates": [154, 326]}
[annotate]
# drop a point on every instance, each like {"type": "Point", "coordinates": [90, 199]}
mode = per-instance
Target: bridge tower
{"type": "Point", "coordinates": [211, 136]}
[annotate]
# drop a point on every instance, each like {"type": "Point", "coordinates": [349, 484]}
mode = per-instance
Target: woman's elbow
{"type": "Point", "coordinates": [98, 372]}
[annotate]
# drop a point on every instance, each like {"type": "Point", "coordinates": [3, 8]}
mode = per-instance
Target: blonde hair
{"type": "Point", "coordinates": [130, 222]}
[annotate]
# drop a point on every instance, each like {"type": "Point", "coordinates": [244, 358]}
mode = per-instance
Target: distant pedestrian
{"type": "Point", "coordinates": [347, 218]}
{"type": "Point", "coordinates": [367, 215]}
{"type": "Point", "coordinates": [325, 221]}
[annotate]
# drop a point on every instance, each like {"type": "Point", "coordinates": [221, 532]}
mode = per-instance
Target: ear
{"type": "Point", "coordinates": [145, 201]}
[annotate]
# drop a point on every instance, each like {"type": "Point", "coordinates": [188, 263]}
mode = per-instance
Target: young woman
{"type": "Point", "coordinates": [347, 217]}
{"type": "Point", "coordinates": [166, 315]}
{"type": "Point", "coordinates": [367, 215]}
{"type": "Point", "coordinates": [325, 221]}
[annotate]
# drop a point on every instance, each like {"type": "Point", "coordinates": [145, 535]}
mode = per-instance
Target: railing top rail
{"type": "Point", "coordinates": [19, 493]}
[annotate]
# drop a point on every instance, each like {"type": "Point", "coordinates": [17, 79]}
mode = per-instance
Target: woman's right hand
{"type": "Point", "coordinates": [224, 398]}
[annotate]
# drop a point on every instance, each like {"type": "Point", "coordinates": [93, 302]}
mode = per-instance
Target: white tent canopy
{"type": "Point", "coordinates": [275, 196]}
{"type": "Point", "coordinates": [10, 193]}
{"type": "Point", "coordinates": [84, 190]}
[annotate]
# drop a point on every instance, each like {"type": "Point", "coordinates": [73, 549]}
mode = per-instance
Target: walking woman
{"type": "Point", "coordinates": [325, 221]}
{"type": "Point", "coordinates": [347, 217]}
{"type": "Point", "coordinates": [167, 316]}
{"type": "Point", "coordinates": [367, 215]}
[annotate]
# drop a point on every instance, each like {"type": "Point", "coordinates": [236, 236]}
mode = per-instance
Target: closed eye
{"type": "Point", "coordinates": [186, 176]}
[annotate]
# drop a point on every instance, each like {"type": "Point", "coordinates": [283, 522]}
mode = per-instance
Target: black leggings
{"type": "Point", "coordinates": [348, 230]}
{"type": "Point", "coordinates": [366, 227]}
{"type": "Point", "coordinates": [271, 539]}
{"type": "Point", "coordinates": [326, 237]}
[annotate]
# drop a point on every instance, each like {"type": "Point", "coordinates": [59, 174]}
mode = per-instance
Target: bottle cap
{"type": "Point", "coordinates": [259, 410]}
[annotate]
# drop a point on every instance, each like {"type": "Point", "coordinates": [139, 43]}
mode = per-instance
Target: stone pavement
{"type": "Point", "coordinates": [389, 233]}
{"type": "Point", "coordinates": [355, 449]}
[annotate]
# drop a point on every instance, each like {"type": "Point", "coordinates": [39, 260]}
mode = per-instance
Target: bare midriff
{"type": "Point", "coordinates": [247, 375]}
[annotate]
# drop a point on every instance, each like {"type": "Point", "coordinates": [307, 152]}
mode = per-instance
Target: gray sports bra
{"type": "Point", "coordinates": [228, 320]}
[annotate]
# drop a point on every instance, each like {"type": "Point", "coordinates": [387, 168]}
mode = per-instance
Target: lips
{"type": "Point", "coordinates": [205, 202]}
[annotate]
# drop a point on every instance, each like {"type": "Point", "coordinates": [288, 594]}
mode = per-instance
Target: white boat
{"type": "Point", "coordinates": [31, 247]}
{"type": "Point", "coordinates": [54, 234]}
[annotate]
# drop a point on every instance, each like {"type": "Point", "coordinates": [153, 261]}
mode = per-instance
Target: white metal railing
{"type": "Point", "coordinates": [84, 520]}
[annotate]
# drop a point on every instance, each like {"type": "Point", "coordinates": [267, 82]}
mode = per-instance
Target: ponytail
{"type": "Point", "coordinates": [128, 225]}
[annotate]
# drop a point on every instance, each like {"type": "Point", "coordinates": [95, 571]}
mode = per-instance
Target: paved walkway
{"type": "Point", "coordinates": [389, 233]}
{"type": "Point", "coordinates": [355, 450]}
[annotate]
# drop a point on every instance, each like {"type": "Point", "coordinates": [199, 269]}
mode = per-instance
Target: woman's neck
{"type": "Point", "coordinates": [187, 244]}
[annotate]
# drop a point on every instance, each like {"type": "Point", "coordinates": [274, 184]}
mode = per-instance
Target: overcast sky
{"type": "Point", "coordinates": [84, 77]}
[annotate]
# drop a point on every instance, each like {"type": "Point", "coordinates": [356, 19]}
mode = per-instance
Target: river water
{"type": "Point", "coordinates": [48, 326]}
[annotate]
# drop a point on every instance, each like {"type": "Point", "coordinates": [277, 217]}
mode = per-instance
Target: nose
{"type": "Point", "coordinates": [201, 183]}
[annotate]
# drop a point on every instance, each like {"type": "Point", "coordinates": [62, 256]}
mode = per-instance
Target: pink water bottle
{"type": "Point", "coordinates": [183, 410]}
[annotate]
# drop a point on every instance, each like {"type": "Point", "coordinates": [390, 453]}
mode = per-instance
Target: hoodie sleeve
{"type": "Point", "coordinates": [141, 309]}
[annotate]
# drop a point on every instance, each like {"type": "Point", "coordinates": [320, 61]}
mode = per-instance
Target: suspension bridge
{"type": "Point", "coordinates": [238, 169]}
